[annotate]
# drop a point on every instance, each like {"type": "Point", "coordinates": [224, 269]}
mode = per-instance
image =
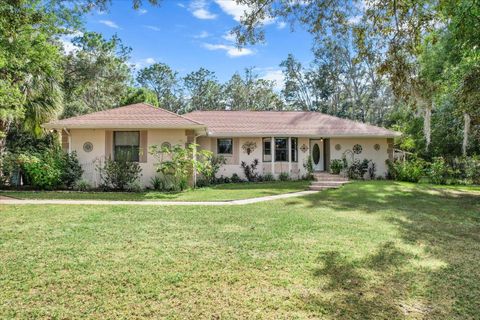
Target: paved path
{"type": "Point", "coordinates": [6, 200]}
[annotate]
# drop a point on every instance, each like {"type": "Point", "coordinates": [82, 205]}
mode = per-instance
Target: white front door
{"type": "Point", "coordinates": [316, 152]}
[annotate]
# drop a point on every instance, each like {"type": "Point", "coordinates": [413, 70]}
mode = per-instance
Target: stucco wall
{"type": "Point", "coordinates": [157, 137]}
{"type": "Point", "coordinates": [233, 162]}
{"type": "Point", "coordinates": [179, 136]}
{"type": "Point", "coordinates": [90, 160]}
{"type": "Point", "coordinates": [368, 151]}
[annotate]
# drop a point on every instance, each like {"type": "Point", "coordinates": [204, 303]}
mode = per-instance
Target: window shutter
{"type": "Point", "coordinates": [108, 144]}
{"type": "Point", "coordinates": [143, 146]}
{"type": "Point", "coordinates": [236, 150]}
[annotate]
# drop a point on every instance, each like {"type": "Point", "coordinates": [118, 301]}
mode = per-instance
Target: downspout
{"type": "Point", "coordinates": [195, 158]}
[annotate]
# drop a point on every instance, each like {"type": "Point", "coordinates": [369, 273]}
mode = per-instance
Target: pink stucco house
{"type": "Point", "coordinates": [282, 141]}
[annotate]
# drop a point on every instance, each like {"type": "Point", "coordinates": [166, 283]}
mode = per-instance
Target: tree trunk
{"type": "Point", "coordinates": [4, 127]}
{"type": "Point", "coordinates": [427, 125]}
{"type": "Point", "coordinates": [466, 130]}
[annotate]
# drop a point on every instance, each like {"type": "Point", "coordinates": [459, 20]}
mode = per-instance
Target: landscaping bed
{"type": "Point", "coordinates": [221, 192]}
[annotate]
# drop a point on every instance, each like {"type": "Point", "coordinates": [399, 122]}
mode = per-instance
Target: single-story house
{"type": "Point", "coordinates": [282, 141]}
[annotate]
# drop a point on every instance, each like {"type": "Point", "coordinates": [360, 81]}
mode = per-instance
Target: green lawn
{"type": "Point", "coordinates": [223, 192]}
{"type": "Point", "coordinates": [372, 250]}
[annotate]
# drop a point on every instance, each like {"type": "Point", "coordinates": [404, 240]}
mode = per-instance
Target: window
{"type": "Point", "coordinates": [294, 149]}
{"type": "Point", "coordinates": [267, 150]}
{"type": "Point", "coordinates": [126, 145]}
{"type": "Point", "coordinates": [281, 149]}
{"type": "Point", "coordinates": [224, 146]}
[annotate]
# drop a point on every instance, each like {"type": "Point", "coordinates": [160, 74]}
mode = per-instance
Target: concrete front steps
{"type": "Point", "coordinates": [324, 181]}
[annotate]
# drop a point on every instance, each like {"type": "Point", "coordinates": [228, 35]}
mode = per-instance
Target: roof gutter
{"type": "Point", "coordinates": [116, 126]}
{"type": "Point", "coordinates": [320, 135]}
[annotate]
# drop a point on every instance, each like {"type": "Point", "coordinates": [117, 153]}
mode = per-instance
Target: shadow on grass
{"type": "Point", "coordinates": [442, 282]}
{"type": "Point", "coordinates": [354, 293]}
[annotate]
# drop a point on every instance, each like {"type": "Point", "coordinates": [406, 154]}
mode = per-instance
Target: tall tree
{"type": "Point", "coordinates": [251, 93]}
{"type": "Point", "coordinates": [30, 64]}
{"type": "Point", "coordinates": [202, 91]}
{"type": "Point", "coordinates": [139, 95]}
{"type": "Point", "coordinates": [97, 75]}
{"type": "Point", "coordinates": [296, 90]}
{"type": "Point", "coordinates": [162, 80]}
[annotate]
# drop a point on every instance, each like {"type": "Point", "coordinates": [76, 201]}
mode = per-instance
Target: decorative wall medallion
{"type": "Point", "coordinates": [304, 148]}
{"type": "Point", "coordinates": [166, 145]}
{"type": "Point", "coordinates": [338, 147]}
{"type": "Point", "coordinates": [357, 149]}
{"type": "Point", "coordinates": [87, 146]}
{"type": "Point", "coordinates": [376, 147]}
{"type": "Point", "coordinates": [249, 146]}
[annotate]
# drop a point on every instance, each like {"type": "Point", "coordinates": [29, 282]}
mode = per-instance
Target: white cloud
{"type": "Point", "coordinates": [199, 9]}
{"type": "Point", "coordinates": [229, 37]}
{"type": "Point", "coordinates": [273, 74]}
{"type": "Point", "coordinates": [281, 25]}
{"type": "Point", "coordinates": [142, 63]}
{"type": "Point", "coordinates": [236, 10]}
{"type": "Point", "coordinates": [142, 11]}
{"type": "Point", "coordinates": [231, 51]}
{"type": "Point", "coordinates": [67, 44]}
{"type": "Point", "coordinates": [109, 23]}
{"type": "Point", "coordinates": [152, 28]}
{"type": "Point", "coordinates": [202, 35]}
{"type": "Point", "coordinates": [181, 5]}
{"type": "Point", "coordinates": [232, 8]}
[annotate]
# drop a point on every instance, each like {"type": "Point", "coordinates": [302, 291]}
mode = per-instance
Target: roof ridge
{"type": "Point", "coordinates": [178, 115]}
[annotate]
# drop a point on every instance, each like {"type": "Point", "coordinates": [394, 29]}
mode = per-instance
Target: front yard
{"type": "Point", "coordinates": [371, 250]}
{"type": "Point", "coordinates": [222, 192]}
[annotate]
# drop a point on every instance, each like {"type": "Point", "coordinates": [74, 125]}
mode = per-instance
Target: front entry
{"type": "Point", "coordinates": [316, 152]}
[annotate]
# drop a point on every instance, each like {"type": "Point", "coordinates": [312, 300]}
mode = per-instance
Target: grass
{"type": "Point", "coordinates": [372, 250]}
{"type": "Point", "coordinates": [223, 192]}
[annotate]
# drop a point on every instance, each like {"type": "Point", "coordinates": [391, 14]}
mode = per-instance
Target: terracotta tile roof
{"type": "Point", "coordinates": [139, 115]}
{"type": "Point", "coordinates": [250, 123]}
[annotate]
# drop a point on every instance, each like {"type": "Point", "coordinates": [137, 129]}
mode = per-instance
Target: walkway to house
{"type": "Point", "coordinates": [7, 200]}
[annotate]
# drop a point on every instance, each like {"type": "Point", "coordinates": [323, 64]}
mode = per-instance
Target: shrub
{"type": "Point", "coordinates": [42, 171]}
{"type": "Point", "coordinates": [117, 175]}
{"type": "Point", "coordinates": [71, 169]}
{"type": "Point", "coordinates": [358, 169]}
{"type": "Point", "coordinates": [82, 185]}
{"type": "Point", "coordinates": [466, 170]}
{"type": "Point", "coordinates": [235, 178]}
{"type": "Point", "coordinates": [268, 177]}
{"type": "Point", "coordinates": [472, 169]}
{"type": "Point", "coordinates": [439, 171]}
{"type": "Point", "coordinates": [48, 169]}
{"type": "Point", "coordinates": [179, 166]}
{"type": "Point", "coordinates": [162, 182]}
{"type": "Point", "coordinates": [156, 182]}
{"type": "Point", "coordinates": [410, 170]}
{"type": "Point", "coordinates": [372, 169]}
{"type": "Point", "coordinates": [284, 176]}
{"type": "Point", "coordinates": [308, 165]}
{"type": "Point", "coordinates": [250, 170]}
{"type": "Point", "coordinates": [208, 166]}
{"type": "Point", "coordinates": [133, 187]}
{"type": "Point", "coordinates": [336, 165]}
{"type": "Point", "coordinates": [10, 169]}
{"type": "Point", "coordinates": [178, 162]}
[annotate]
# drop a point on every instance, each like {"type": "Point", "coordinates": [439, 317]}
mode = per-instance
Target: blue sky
{"type": "Point", "coordinates": [188, 35]}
